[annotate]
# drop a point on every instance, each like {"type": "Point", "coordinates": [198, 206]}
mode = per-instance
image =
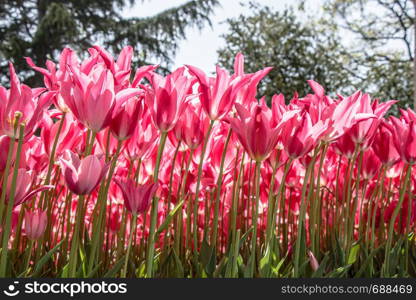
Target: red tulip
{"type": "Point", "coordinates": [137, 199]}
{"type": "Point", "coordinates": [82, 175]}
{"type": "Point", "coordinates": [371, 164]}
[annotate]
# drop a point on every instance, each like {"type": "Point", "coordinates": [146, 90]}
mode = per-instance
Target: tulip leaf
{"type": "Point", "coordinates": [207, 257]}
{"type": "Point", "coordinates": [116, 268]}
{"type": "Point", "coordinates": [94, 271]}
{"type": "Point", "coordinates": [168, 219]}
{"type": "Point", "coordinates": [178, 265]}
{"type": "Point", "coordinates": [45, 258]}
{"type": "Point", "coordinates": [352, 257]}
{"type": "Point", "coordinates": [319, 273]}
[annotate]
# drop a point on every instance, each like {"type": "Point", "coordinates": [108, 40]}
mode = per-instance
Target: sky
{"type": "Point", "coordinates": [200, 47]}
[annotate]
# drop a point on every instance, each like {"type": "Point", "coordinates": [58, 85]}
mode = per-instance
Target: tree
{"type": "Point", "coordinates": [384, 38]}
{"type": "Point", "coordinates": [41, 28]}
{"type": "Point", "coordinates": [296, 51]}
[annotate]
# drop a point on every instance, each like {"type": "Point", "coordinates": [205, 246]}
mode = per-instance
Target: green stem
{"type": "Point", "coordinates": [10, 204]}
{"type": "Point", "coordinates": [198, 185]}
{"type": "Point", "coordinates": [101, 205]}
{"type": "Point", "coordinates": [73, 256]}
{"type": "Point", "coordinates": [252, 259]}
{"type": "Point", "coordinates": [133, 224]}
{"type": "Point", "coordinates": [172, 171]}
{"type": "Point", "coordinates": [218, 193]}
{"type": "Point", "coordinates": [27, 259]}
{"type": "Point", "coordinates": [386, 267]}
{"type": "Point", "coordinates": [5, 178]}
{"type": "Point", "coordinates": [155, 204]}
{"type": "Point", "coordinates": [301, 220]}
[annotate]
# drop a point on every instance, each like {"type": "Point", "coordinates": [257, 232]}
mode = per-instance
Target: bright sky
{"type": "Point", "coordinates": [200, 48]}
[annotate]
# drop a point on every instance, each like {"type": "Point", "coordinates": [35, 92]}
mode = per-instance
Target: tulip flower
{"type": "Point", "coordinates": [254, 131]}
{"type": "Point", "coordinates": [92, 98]}
{"type": "Point", "coordinates": [363, 131]}
{"type": "Point", "coordinates": [371, 164]}
{"type": "Point", "coordinates": [24, 191]}
{"type": "Point", "coordinates": [35, 224]}
{"type": "Point", "coordinates": [299, 136]}
{"type": "Point", "coordinates": [384, 146]}
{"type": "Point", "coordinates": [218, 94]}
{"type": "Point", "coordinates": [191, 127]}
{"type": "Point", "coordinates": [404, 138]}
{"type": "Point", "coordinates": [21, 99]}
{"type": "Point", "coordinates": [70, 136]}
{"type": "Point", "coordinates": [137, 199]}
{"type": "Point", "coordinates": [167, 98]}
{"type": "Point", "coordinates": [144, 138]}
{"type": "Point", "coordinates": [82, 175]}
{"type": "Point", "coordinates": [124, 123]}
{"type": "Point", "coordinates": [345, 146]}
{"type": "Point", "coordinates": [121, 68]}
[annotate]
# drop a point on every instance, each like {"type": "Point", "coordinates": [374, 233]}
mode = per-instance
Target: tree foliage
{"type": "Point", "coordinates": [355, 44]}
{"type": "Point", "coordinates": [41, 28]}
{"type": "Point", "coordinates": [295, 51]}
{"type": "Point", "coordinates": [382, 34]}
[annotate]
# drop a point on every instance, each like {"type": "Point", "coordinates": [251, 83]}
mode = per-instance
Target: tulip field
{"type": "Point", "coordinates": [106, 171]}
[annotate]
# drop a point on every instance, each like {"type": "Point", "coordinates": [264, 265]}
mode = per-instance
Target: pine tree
{"type": "Point", "coordinates": [41, 28]}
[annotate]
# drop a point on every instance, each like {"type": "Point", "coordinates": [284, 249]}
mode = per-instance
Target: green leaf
{"type": "Point", "coordinates": [45, 258]}
{"type": "Point", "coordinates": [116, 268]}
{"type": "Point", "coordinates": [366, 263]}
{"type": "Point", "coordinates": [94, 271]}
{"type": "Point", "coordinates": [352, 258]}
{"type": "Point", "coordinates": [319, 273]}
{"type": "Point", "coordinates": [168, 219]}
{"type": "Point", "coordinates": [178, 265]}
{"type": "Point", "coordinates": [245, 236]}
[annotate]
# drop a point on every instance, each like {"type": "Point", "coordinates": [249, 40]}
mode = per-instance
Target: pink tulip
{"type": "Point", "coordinates": [21, 99]}
{"type": "Point", "coordinates": [404, 138]}
{"type": "Point", "coordinates": [384, 146]}
{"type": "Point", "coordinates": [71, 132]}
{"type": "Point", "coordinates": [218, 94]}
{"type": "Point", "coordinates": [24, 187]}
{"type": "Point", "coordinates": [35, 224]}
{"type": "Point", "coordinates": [124, 123]}
{"type": "Point", "coordinates": [82, 175]}
{"type": "Point", "coordinates": [167, 98]}
{"type": "Point", "coordinates": [254, 131]}
{"type": "Point", "coordinates": [299, 136]}
{"type": "Point", "coordinates": [144, 138]}
{"type": "Point", "coordinates": [363, 131]}
{"type": "Point", "coordinates": [137, 199]}
{"type": "Point", "coordinates": [191, 127]}
{"type": "Point", "coordinates": [92, 97]}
